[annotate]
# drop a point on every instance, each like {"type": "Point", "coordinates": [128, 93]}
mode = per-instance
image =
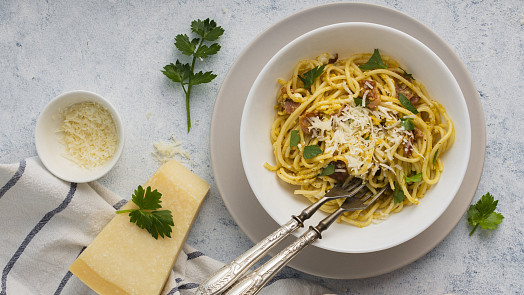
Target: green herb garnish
{"type": "Point", "coordinates": [375, 62]}
{"type": "Point", "coordinates": [483, 213]}
{"type": "Point", "coordinates": [398, 194]}
{"type": "Point", "coordinates": [156, 222]}
{"type": "Point", "coordinates": [435, 158]}
{"type": "Point", "coordinates": [407, 123]}
{"type": "Point", "coordinates": [407, 74]}
{"type": "Point", "coordinates": [310, 76]}
{"type": "Point", "coordinates": [294, 139]}
{"type": "Point", "coordinates": [185, 73]}
{"type": "Point", "coordinates": [358, 101]}
{"type": "Point", "coordinates": [311, 151]}
{"type": "Point", "coordinates": [414, 177]}
{"type": "Point", "coordinates": [406, 103]}
{"type": "Point", "coordinates": [328, 170]}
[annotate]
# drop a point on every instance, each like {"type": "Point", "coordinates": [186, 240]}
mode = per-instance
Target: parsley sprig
{"type": "Point", "coordinates": [407, 123]}
{"type": "Point", "coordinates": [328, 170]}
{"type": "Point", "coordinates": [156, 222]}
{"type": "Point", "coordinates": [184, 73]}
{"type": "Point", "coordinates": [358, 102]}
{"type": "Point", "coordinates": [374, 62]}
{"type": "Point", "coordinates": [406, 74]}
{"type": "Point", "coordinates": [483, 213]}
{"type": "Point", "coordinates": [310, 76]}
{"type": "Point", "coordinates": [406, 103]}
{"type": "Point", "coordinates": [398, 194]}
{"type": "Point", "coordinates": [294, 139]}
{"type": "Point", "coordinates": [413, 177]}
{"type": "Point", "coordinates": [311, 151]}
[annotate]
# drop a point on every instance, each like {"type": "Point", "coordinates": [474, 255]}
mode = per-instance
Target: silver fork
{"type": "Point", "coordinates": [229, 274]}
{"type": "Point", "coordinates": [256, 280]}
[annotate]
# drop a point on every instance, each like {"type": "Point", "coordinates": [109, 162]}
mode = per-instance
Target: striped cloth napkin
{"type": "Point", "coordinates": [45, 223]}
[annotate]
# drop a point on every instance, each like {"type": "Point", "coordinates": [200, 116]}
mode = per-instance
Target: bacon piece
{"type": "Point", "coordinates": [408, 146]}
{"type": "Point", "coordinates": [406, 91]}
{"type": "Point", "coordinates": [304, 122]}
{"type": "Point", "coordinates": [289, 105]}
{"type": "Point", "coordinates": [370, 90]}
{"type": "Point", "coordinates": [284, 90]}
{"type": "Point", "coordinates": [418, 133]}
{"type": "Point", "coordinates": [339, 113]}
{"type": "Point", "coordinates": [408, 143]}
{"type": "Point", "coordinates": [340, 175]}
{"type": "Point", "coordinates": [334, 59]}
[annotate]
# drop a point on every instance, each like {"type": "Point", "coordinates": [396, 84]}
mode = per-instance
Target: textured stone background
{"type": "Point", "coordinates": [117, 48]}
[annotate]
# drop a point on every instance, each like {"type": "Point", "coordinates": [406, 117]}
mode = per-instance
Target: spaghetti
{"type": "Point", "coordinates": [360, 117]}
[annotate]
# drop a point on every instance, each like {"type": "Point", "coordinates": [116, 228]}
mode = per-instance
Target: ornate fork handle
{"type": "Point", "coordinates": [253, 282]}
{"type": "Point", "coordinates": [228, 274]}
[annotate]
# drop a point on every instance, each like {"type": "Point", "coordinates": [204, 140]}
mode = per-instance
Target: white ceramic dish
{"type": "Point", "coordinates": [277, 198]}
{"type": "Point", "coordinates": [225, 138]}
{"type": "Point", "coordinates": [50, 150]}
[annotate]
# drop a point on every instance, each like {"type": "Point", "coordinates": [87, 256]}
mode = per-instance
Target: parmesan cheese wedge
{"type": "Point", "coordinates": [124, 259]}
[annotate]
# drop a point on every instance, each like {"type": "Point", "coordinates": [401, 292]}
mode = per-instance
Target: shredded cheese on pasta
{"type": "Point", "coordinates": [365, 141]}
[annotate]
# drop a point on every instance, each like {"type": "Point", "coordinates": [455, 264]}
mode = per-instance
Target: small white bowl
{"type": "Point", "coordinates": [51, 151]}
{"type": "Point", "coordinates": [277, 197]}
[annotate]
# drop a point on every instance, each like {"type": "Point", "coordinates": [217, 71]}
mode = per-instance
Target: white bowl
{"type": "Point", "coordinates": [51, 151]}
{"type": "Point", "coordinates": [277, 198]}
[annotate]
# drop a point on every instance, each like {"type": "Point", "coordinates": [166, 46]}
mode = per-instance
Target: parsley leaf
{"type": "Point", "coordinates": [294, 139]}
{"type": "Point", "coordinates": [328, 170]}
{"type": "Point", "coordinates": [207, 29]}
{"type": "Point", "coordinates": [398, 195]}
{"type": "Point", "coordinates": [375, 62]}
{"type": "Point", "coordinates": [311, 151]}
{"type": "Point", "coordinates": [407, 74]}
{"type": "Point", "coordinates": [483, 213]}
{"type": "Point", "coordinates": [177, 72]}
{"type": "Point", "coordinates": [156, 222]}
{"type": "Point", "coordinates": [185, 73]}
{"type": "Point", "coordinates": [435, 158]}
{"type": "Point", "coordinates": [185, 46]}
{"type": "Point", "coordinates": [148, 200]}
{"type": "Point", "coordinates": [204, 51]}
{"type": "Point", "coordinates": [311, 75]}
{"type": "Point", "coordinates": [201, 78]}
{"type": "Point", "coordinates": [358, 101]}
{"type": "Point", "coordinates": [406, 103]}
{"type": "Point", "coordinates": [407, 123]}
{"type": "Point", "coordinates": [413, 177]}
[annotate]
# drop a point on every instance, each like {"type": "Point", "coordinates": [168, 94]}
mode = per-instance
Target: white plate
{"type": "Point", "coordinates": [225, 150]}
{"type": "Point", "coordinates": [259, 114]}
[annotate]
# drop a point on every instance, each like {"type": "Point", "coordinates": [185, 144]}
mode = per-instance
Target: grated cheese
{"type": "Point", "coordinates": [88, 133]}
{"type": "Point", "coordinates": [345, 86]}
{"type": "Point", "coordinates": [349, 133]}
{"type": "Point", "coordinates": [324, 58]}
{"type": "Point", "coordinates": [166, 151]}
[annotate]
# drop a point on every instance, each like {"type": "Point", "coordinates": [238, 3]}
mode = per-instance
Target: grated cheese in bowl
{"type": "Point", "coordinates": [88, 133]}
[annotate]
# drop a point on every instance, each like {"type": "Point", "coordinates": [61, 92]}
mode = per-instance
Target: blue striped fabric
{"type": "Point", "coordinates": [33, 233]}
{"type": "Point", "coordinates": [120, 203]}
{"type": "Point", "coordinates": [66, 278]}
{"type": "Point", "coordinates": [18, 174]}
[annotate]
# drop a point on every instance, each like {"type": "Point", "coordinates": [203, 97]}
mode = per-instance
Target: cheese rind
{"type": "Point", "coordinates": [124, 259]}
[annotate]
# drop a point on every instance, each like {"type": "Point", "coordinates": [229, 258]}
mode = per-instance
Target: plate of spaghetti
{"type": "Point", "coordinates": [356, 100]}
